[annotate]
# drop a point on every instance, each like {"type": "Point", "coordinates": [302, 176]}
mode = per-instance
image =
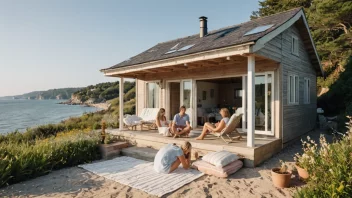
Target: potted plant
{"type": "Point", "coordinates": [301, 166]}
{"type": "Point", "coordinates": [304, 161]}
{"type": "Point", "coordinates": [281, 176]}
{"type": "Point", "coordinates": [110, 145]}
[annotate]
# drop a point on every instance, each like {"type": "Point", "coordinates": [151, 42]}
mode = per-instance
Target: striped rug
{"type": "Point", "coordinates": [140, 174]}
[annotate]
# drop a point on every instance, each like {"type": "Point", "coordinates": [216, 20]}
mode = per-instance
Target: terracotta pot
{"type": "Point", "coordinates": [281, 180]}
{"type": "Point", "coordinates": [303, 174]}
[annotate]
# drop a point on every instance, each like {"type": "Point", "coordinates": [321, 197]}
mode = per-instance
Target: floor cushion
{"type": "Point", "coordinates": [164, 131]}
{"type": "Point", "coordinates": [220, 158]}
{"type": "Point", "coordinates": [210, 169]}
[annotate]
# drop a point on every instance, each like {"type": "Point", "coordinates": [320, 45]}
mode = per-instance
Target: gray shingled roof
{"type": "Point", "coordinates": [224, 37]}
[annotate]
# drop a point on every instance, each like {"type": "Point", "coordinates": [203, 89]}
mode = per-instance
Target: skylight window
{"type": "Point", "coordinates": [185, 47]}
{"type": "Point", "coordinates": [259, 29]}
{"type": "Point", "coordinates": [227, 31]}
{"type": "Point", "coordinates": [175, 48]}
{"type": "Point", "coordinates": [171, 51]}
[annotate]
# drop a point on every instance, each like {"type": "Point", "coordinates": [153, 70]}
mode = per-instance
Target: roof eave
{"type": "Point", "coordinates": [313, 44]}
{"type": "Point", "coordinates": [188, 58]}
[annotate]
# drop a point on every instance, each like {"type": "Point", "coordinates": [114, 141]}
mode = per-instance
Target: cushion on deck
{"type": "Point", "coordinates": [210, 169]}
{"type": "Point", "coordinates": [164, 131]}
{"type": "Point", "coordinates": [220, 158]}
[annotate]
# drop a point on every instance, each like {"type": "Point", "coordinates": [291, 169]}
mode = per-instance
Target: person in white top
{"type": "Point", "coordinates": [218, 127]}
{"type": "Point", "coordinates": [161, 119]}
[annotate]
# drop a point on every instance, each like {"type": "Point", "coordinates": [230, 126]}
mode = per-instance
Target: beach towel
{"type": "Point", "coordinates": [140, 174]}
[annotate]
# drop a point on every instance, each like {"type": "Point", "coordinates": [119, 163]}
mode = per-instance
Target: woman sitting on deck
{"type": "Point", "coordinates": [161, 119]}
{"type": "Point", "coordinates": [171, 156]}
{"type": "Point", "coordinates": [218, 127]}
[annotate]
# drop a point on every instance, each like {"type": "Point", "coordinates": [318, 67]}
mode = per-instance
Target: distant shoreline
{"type": "Point", "coordinates": [102, 105]}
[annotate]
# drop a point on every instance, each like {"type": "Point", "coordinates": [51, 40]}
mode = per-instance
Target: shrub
{"type": "Point", "coordinates": [332, 162]}
{"type": "Point", "coordinates": [22, 161]}
{"type": "Point", "coordinates": [111, 120]}
{"type": "Point", "coordinates": [96, 126]}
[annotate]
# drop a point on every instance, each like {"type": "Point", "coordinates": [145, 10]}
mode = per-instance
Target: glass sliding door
{"type": "Point", "coordinates": [152, 95]}
{"type": "Point", "coordinates": [186, 93]}
{"type": "Point", "coordinates": [264, 103]}
{"type": "Point", "coordinates": [260, 103]}
{"type": "Point", "coordinates": [269, 101]}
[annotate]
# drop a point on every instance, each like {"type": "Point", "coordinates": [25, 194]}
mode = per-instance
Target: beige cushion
{"type": "Point", "coordinates": [220, 158]}
{"type": "Point", "coordinates": [210, 169]}
{"type": "Point", "coordinates": [164, 131]}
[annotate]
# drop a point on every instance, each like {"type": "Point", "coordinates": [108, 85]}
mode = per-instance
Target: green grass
{"type": "Point", "coordinates": [39, 150]}
{"type": "Point", "coordinates": [22, 161]}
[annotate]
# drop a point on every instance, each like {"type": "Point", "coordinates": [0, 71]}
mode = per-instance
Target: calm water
{"type": "Point", "coordinates": [20, 114]}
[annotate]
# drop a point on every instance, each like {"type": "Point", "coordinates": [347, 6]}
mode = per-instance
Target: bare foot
{"type": "Point", "coordinates": [199, 138]}
{"type": "Point", "coordinates": [175, 136]}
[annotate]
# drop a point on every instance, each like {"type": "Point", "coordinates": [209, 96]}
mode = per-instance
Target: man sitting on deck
{"type": "Point", "coordinates": [181, 124]}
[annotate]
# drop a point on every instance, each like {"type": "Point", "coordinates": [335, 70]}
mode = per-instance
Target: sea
{"type": "Point", "coordinates": [21, 114]}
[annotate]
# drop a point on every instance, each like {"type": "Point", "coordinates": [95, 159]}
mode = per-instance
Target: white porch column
{"type": "Point", "coordinates": [121, 94]}
{"type": "Point", "coordinates": [251, 101]}
{"type": "Point", "coordinates": [244, 102]}
{"type": "Point", "coordinates": [194, 120]}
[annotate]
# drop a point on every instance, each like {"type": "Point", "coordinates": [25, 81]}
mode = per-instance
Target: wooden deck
{"type": "Point", "coordinates": [264, 148]}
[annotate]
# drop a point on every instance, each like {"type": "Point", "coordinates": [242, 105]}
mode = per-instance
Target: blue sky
{"type": "Point", "coordinates": [64, 43]}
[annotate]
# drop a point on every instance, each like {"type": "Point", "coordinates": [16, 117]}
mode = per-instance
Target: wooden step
{"type": "Point", "coordinates": [142, 153]}
{"type": "Point", "coordinates": [112, 150]}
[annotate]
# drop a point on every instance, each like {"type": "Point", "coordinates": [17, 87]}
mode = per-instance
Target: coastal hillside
{"type": "Point", "coordinates": [59, 94]}
{"type": "Point", "coordinates": [101, 93]}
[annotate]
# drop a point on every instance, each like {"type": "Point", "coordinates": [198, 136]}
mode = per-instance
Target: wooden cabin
{"type": "Point", "coordinates": [267, 67]}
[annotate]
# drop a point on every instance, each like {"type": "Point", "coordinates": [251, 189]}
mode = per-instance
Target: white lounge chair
{"type": "Point", "coordinates": [132, 121]}
{"type": "Point", "coordinates": [148, 116]}
{"type": "Point", "coordinates": [230, 127]}
{"type": "Point", "coordinates": [239, 110]}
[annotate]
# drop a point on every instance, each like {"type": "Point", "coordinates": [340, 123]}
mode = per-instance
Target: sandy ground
{"type": "Point", "coordinates": [76, 182]}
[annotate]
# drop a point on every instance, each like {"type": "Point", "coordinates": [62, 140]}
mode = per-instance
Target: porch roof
{"type": "Point", "coordinates": [232, 37]}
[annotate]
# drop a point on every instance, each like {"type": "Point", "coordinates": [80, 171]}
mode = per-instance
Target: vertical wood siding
{"type": "Point", "coordinates": [296, 119]}
{"type": "Point", "coordinates": [140, 95]}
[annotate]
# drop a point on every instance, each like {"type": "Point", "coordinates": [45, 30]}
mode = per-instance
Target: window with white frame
{"type": "Point", "coordinates": [295, 45]}
{"type": "Point", "coordinates": [306, 91]}
{"type": "Point", "coordinates": [293, 89]}
{"type": "Point", "coordinates": [152, 96]}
